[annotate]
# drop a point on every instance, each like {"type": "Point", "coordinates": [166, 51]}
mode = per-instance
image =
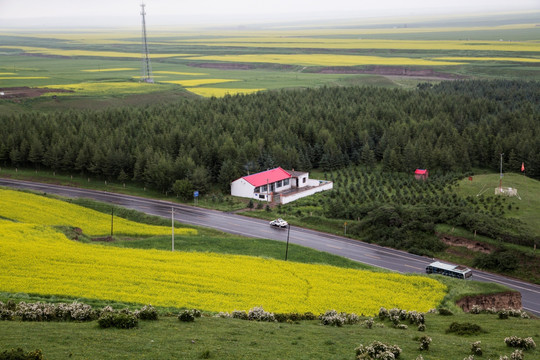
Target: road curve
{"type": "Point", "coordinates": [375, 255]}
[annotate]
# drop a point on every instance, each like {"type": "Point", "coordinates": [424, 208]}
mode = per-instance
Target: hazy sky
{"type": "Point", "coordinates": [178, 12]}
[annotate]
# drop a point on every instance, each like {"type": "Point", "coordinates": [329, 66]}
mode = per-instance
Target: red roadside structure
{"type": "Point", "coordinates": [421, 174]}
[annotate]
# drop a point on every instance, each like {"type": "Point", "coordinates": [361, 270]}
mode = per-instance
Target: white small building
{"type": "Point", "coordinates": [278, 185]}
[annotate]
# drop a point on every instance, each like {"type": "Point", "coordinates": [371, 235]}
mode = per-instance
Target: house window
{"type": "Point", "coordinates": [261, 196]}
{"type": "Point", "coordinates": [263, 188]}
{"type": "Point", "coordinates": [257, 189]}
{"type": "Point", "coordinates": [304, 180]}
{"type": "Point", "coordinates": [285, 182]}
{"type": "Point", "coordinates": [278, 184]}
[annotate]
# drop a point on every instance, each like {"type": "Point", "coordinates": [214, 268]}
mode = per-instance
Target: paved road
{"type": "Point", "coordinates": [236, 224]}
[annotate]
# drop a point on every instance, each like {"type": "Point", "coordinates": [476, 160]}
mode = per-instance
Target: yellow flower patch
{"type": "Point", "coordinates": [323, 60]}
{"type": "Point", "coordinates": [34, 209]}
{"type": "Point", "coordinates": [220, 92]}
{"type": "Point", "coordinates": [114, 69]}
{"type": "Point", "coordinates": [196, 82]}
{"type": "Point", "coordinates": [36, 259]}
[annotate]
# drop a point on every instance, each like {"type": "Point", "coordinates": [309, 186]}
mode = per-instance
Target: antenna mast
{"type": "Point", "coordinates": [146, 71]}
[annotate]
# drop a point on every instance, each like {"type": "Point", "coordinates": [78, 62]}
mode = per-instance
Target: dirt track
{"type": "Point", "coordinates": [26, 92]}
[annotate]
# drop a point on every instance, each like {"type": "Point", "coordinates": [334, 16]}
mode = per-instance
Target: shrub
{"type": "Point", "coordinates": [476, 349]}
{"type": "Point", "coordinates": [19, 354]}
{"type": "Point", "coordinates": [383, 313]}
{"type": "Point", "coordinates": [239, 314]}
{"type": "Point", "coordinates": [5, 313]}
{"type": "Point", "coordinates": [476, 309]}
{"type": "Point", "coordinates": [258, 314]}
{"type": "Point", "coordinates": [503, 314]}
{"type": "Point", "coordinates": [377, 350]}
{"type": "Point", "coordinates": [332, 318]}
{"type": "Point", "coordinates": [464, 329]}
{"type": "Point", "coordinates": [422, 327]}
{"type": "Point", "coordinates": [186, 316]}
{"type": "Point", "coordinates": [369, 323]}
{"type": "Point", "coordinates": [424, 342]}
{"type": "Point", "coordinates": [148, 312]}
{"type": "Point", "coordinates": [401, 326]}
{"type": "Point", "coordinates": [35, 311]}
{"type": "Point", "coordinates": [445, 312]}
{"type": "Point", "coordinates": [517, 355]}
{"type": "Point", "coordinates": [118, 320]}
{"type": "Point", "coordinates": [514, 341]}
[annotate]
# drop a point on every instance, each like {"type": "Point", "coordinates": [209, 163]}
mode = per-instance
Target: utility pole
{"type": "Point", "coordinates": [172, 221]}
{"type": "Point", "coordinates": [500, 178]}
{"type": "Point", "coordinates": [112, 220]}
{"type": "Point", "coordinates": [287, 248]}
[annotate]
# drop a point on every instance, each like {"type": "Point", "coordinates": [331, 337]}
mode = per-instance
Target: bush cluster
{"type": "Point", "coordinates": [120, 320]}
{"type": "Point", "coordinates": [516, 355]}
{"type": "Point", "coordinates": [148, 312]}
{"type": "Point", "coordinates": [258, 314]}
{"type": "Point", "coordinates": [293, 317]}
{"type": "Point", "coordinates": [445, 312]}
{"type": "Point", "coordinates": [333, 318]}
{"type": "Point", "coordinates": [502, 313]}
{"type": "Point", "coordinates": [75, 311]}
{"type": "Point", "coordinates": [20, 354]}
{"type": "Point", "coordinates": [476, 349]}
{"type": "Point", "coordinates": [189, 315]}
{"type": "Point", "coordinates": [396, 315]}
{"type": "Point", "coordinates": [514, 341]}
{"type": "Point", "coordinates": [377, 350]}
{"type": "Point", "coordinates": [425, 341]}
{"type": "Point", "coordinates": [464, 329]}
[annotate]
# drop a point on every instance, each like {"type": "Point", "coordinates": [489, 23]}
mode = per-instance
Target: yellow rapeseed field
{"type": "Point", "coordinates": [323, 59]}
{"type": "Point", "coordinates": [196, 82]}
{"type": "Point", "coordinates": [62, 52]}
{"type": "Point", "coordinates": [220, 92]}
{"type": "Point", "coordinates": [179, 73]}
{"type": "Point", "coordinates": [110, 69]}
{"type": "Point", "coordinates": [485, 58]}
{"type": "Point", "coordinates": [333, 43]}
{"type": "Point", "coordinates": [34, 209]}
{"type": "Point", "coordinates": [22, 77]}
{"type": "Point", "coordinates": [36, 259]}
{"type": "Point", "coordinates": [92, 88]}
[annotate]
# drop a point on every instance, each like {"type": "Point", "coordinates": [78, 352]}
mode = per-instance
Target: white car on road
{"type": "Point", "coordinates": [279, 223]}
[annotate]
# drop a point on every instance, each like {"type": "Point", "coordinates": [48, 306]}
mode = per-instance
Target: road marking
{"type": "Point", "coordinates": [333, 246]}
{"type": "Point", "coordinates": [413, 267]}
{"type": "Point", "coordinates": [372, 256]}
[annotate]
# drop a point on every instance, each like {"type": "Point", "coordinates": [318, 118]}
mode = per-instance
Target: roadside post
{"type": "Point", "coordinates": [196, 197]}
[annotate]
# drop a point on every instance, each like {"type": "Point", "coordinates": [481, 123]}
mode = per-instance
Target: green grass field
{"type": "Point", "coordinates": [99, 66]}
{"type": "Point", "coordinates": [217, 338]}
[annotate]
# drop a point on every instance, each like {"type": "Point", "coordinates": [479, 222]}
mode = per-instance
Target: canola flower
{"type": "Point", "coordinates": [486, 58]}
{"type": "Point", "coordinates": [34, 209]}
{"type": "Point", "coordinates": [336, 43]}
{"type": "Point", "coordinates": [196, 82]}
{"type": "Point", "coordinates": [179, 73]}
{"type": "Point", "coordinates": [110, 69]}
{"type": "Point", "coordinates": [220, 92]}
{"type": "Point", "coordinates": [37, 259]}
{"type": "Point", "coordinates": [323, 59]}
{"type": "Point", "coordinates": [63, 52]}
{"type": "Point", "coordinates": [91, 88]}
{"type": "Point", "coordinates": [22, 77]}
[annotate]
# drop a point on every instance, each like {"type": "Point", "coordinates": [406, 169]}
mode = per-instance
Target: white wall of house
{"type": "Point", "coordinates": [320, 186]}
{"type": "Point", "coordinates": [242, 188]}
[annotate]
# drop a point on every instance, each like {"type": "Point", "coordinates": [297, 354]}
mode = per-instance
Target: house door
{"type": "Point", "coordinates": [272, 187]}
{"type": "Point", "coordinates": [296, 182]}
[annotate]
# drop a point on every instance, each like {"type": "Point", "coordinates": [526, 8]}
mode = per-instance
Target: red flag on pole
{"type": "Point", "coordinates": [522, 167]}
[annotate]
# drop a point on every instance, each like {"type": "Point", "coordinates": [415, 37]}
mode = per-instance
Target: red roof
{"type": "Point", "coordinates": [267, 177]}
{"type": "Point", "coordinates": [420, 171]}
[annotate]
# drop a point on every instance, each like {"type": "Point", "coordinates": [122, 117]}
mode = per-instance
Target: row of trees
{"type": "Point", "coordinates": [452, 126]}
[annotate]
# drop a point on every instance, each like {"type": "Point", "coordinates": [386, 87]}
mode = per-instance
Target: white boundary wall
{"type": "Point", "coordinates": [326, 185]}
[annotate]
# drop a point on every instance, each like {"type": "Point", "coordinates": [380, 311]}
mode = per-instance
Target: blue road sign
{"type": "Point", "coordinates": [195, 194]}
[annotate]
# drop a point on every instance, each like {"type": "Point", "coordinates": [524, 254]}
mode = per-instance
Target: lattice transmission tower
{"type": "Point", "coordinates": [146, 70]}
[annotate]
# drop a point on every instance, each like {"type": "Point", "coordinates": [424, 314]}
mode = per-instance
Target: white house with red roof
{"type": "Point", "coordinates": [278, 185]}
